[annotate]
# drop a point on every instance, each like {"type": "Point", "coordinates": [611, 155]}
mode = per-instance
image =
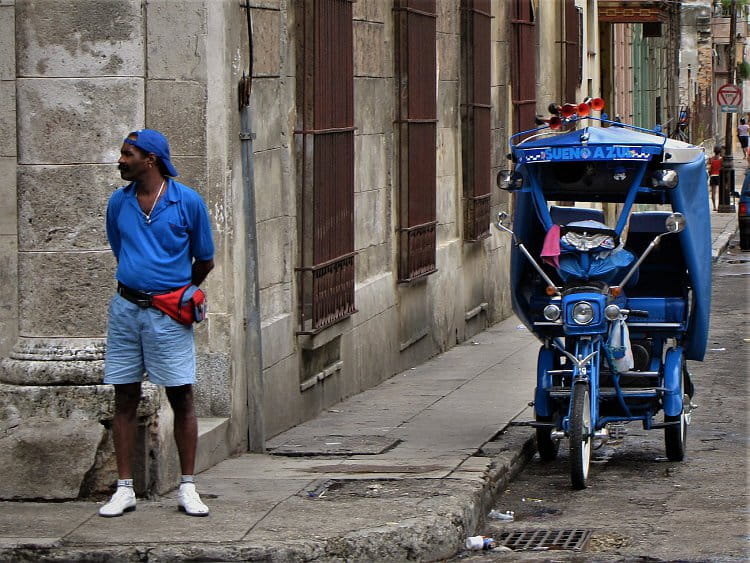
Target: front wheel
{"type": "Point", "coordinates": [580, 435]}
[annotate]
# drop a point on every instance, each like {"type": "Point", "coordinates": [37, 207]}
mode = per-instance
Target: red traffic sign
{"type": "Point", "coordinates": [729, 95]}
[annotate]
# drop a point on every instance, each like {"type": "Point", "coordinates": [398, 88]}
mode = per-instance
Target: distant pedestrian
{"type": "Point", "coordinates": [743, 134]}
{"type": "Point", "coordinates": [160, 234]}
{"type": "Point", "coordinates": [714, 173]}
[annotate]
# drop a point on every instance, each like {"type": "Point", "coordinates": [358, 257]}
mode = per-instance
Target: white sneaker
{"type": "Point", "coordinates": [189, 501]}
{"type": "Point", "coordinates": [122, 501]}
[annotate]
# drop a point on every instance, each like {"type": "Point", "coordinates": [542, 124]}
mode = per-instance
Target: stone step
{"type": "Point", "coordinates": [213, 445]}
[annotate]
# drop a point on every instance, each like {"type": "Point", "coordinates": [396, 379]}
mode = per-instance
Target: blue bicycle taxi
{"type": "Point", "coordinates": [619, 307]}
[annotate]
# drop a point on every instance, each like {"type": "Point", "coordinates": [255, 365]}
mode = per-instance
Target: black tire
{"type": "Point", "coordinates": [744, 237]}
{"type": "Point", "coordinates": [580, 435]}
{"type": "Point", "coordinates": [675, 437]}
{"type": "Point", "coordinates": [545, 444]}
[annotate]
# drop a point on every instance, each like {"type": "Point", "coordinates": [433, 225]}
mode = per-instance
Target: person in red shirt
{"type": "Point", "coordinates": [714, 173]}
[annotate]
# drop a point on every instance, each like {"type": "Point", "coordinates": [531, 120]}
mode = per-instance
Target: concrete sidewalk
{"type": "Point", "coordinates": [403, 471]}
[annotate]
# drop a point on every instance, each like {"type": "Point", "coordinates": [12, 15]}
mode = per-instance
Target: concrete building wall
{"type": "Point", "coordinates": [622, 104]}
{"type": "Point", "coordinates": [79, 88]}
{"type": "Point", "coordinates": [496, 272]}
{"type": "Point", "coordinates": [591, 84]}
{"type": "Point", "coordinates": [551, 54]}
{"type": "Point", "coordinates": [396, 326]}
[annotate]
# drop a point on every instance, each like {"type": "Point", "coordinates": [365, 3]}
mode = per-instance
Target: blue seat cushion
{"type": "Point", "coordinates": [562, 215]}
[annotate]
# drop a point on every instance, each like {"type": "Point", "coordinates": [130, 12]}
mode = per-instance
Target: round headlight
{"type": "Point", "coordinates": [583, 313]}
{"type": "Point", "coordinates": [612, 312]}
{"type": "Point", "coordinates": [552, 312]}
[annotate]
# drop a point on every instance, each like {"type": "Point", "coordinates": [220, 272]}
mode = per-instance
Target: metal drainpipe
{"type": "Point", "coordinates": [253, 351]}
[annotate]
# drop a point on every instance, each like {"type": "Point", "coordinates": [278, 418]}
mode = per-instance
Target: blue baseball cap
{"type": "Point", "coordinates": [152, 141]}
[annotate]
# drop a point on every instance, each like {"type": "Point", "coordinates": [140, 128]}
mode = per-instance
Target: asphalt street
{"type": "Point", "coordinates": [639, 506]}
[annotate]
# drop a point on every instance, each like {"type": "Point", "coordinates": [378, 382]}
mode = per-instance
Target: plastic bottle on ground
{"type": "Point", "coordinates": [478, 543]}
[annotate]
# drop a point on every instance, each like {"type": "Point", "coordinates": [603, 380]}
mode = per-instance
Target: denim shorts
{"type": "Point", "coordinates": [146, 340]}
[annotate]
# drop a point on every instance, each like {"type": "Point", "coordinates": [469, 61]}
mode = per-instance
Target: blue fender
{"type": "Point", "coordinates": [544, 364]}
{"type": "Point", "coordinates": [673, 382]}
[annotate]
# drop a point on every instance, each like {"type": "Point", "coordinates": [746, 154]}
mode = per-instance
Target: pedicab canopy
{"type": "Point", "coordinates": [622, 164]}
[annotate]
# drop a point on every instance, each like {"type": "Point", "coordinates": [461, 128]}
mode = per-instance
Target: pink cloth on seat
{"type": "Point", "coordinates": [551, 247]}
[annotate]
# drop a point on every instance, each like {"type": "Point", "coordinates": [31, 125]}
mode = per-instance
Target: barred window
{"type": "Point", "coordinates": [475, 123]}
{"type": "Point", "coordinates": [573, 67]}
{"type": "Point", "coordinates": [325, 153]}
{"type": "Point", "coordinates": [416, 64]}
{"type": "Point", "coordinates": [523, 68]}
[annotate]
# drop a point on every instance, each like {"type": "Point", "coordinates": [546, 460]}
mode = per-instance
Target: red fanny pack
{"type": "Point", "coordinates": [186, 305]}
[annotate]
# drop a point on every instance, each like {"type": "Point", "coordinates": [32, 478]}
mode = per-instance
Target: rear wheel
{"type": "Point", "coordinates": [580, 435]}
{"type": "Point", "coordinates": [675, 436]}
{"type": "Point", "coordinates": [745, 234]}
{"type": "Point", "coordinates": [545, 444]}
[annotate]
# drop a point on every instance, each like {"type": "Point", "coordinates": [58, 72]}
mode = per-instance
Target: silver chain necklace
{"type": "Point", "coordinates": [150, 211]}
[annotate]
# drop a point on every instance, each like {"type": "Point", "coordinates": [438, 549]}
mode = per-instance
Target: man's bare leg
{"type": "Point", "coordinates": [124, 429]}
{"type": "Point", "coordinates": [186, 436]}
{"type": "Point", "coordinates": [185, 425]}
{"type": "Point", "coordinates": [125, 426]}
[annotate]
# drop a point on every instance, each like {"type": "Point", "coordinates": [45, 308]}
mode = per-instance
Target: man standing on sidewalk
{"type": "Point", "coordinates": [160, 234]}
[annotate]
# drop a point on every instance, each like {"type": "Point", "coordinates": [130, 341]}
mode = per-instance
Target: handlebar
{"type": "Point", "coordinates": [635, 312]}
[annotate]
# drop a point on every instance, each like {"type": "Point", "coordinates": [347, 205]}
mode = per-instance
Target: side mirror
{"type": "Point", "coordinates": [675, 223]}
{"type": "Point", "coordinates": [509, 181]}
{"type": "Point", "coordinates": [502, 216]}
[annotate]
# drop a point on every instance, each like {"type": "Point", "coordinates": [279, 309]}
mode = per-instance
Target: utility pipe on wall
{"type": "Point", "coordinates": [253, 350]}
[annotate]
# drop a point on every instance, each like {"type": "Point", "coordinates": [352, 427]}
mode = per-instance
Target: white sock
{"type": "Point", "coordinates": [125, 483]}
{"type": "Point", "coordinates": [187, 479]}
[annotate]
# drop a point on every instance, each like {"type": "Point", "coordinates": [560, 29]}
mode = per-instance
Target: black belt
{"type": "Point", "coordinates": [140, 298]}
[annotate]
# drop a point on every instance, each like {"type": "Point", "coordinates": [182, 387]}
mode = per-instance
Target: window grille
{"type": "Point", "coordinates": [523, 68]}
{"type": "Point", "coordinates": [476, 52]}
{"type": "Point", "coordinates": [325, 144]}
{"type": "Point", "coordinates": [573, 57]}
{"type": "Point", "coordinates": [416, 125]}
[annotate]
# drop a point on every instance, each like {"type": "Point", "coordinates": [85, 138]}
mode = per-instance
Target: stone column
{"type": "Point", "coordinates": [79, 89]}
{"type": "Point", "coordinates": [8, 215]}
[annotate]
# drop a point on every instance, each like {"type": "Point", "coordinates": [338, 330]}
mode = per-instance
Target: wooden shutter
{"type": "Point", "coordinates": [476, 56]}
{"type": "Point", "coordinates": [572, 46]}
{"type": "Point", "coordinates": [417, 123]}
{"type": "Point", "coordinates": [327, 161]}
{"type": "Point", "coordinates": [523, 68]}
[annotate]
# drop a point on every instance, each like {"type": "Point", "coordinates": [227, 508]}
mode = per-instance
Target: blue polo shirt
{"type": "Point", "coordinates": [158, 256]}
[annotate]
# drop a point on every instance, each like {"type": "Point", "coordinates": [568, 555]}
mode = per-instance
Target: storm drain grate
{"type": "Point", "coordinates": [529, 540]}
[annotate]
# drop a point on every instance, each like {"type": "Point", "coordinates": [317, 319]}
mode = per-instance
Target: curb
{"type": "Point", "coordinates": [437, 535]}
{"type": "Point", "coordinates": [722, 241]}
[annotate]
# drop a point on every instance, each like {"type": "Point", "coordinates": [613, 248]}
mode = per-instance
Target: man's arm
{"type": "Point", "coordinates": [201, 269]}
{"type": "Point", "coordinates": [113, 234]}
